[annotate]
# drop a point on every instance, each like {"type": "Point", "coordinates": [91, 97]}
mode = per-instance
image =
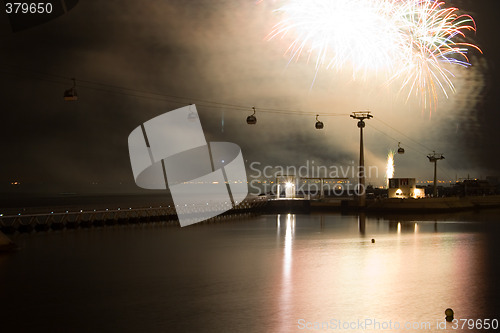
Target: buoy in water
{"type": "Point", "coordinates": [449, 315]}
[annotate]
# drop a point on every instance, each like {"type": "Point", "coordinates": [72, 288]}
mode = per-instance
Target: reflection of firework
{"type": "Point", "coordinates": [408, 39]}
{"type": "Point", "coordinates": [389, 171]}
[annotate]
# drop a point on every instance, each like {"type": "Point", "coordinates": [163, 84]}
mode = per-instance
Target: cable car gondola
{"type": "Point", "coordinates": [192, 116]}
{"type": "Point", "coordinates": [70, 94]}
{"type": "Point", "coordinates": [319, 124]}
{"type": "Point", "coordinates": [400, 149]}
{"type": "Point", "coordinates": [251, 119]}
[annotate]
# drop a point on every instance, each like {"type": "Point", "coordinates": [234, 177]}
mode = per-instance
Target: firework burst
{"type": "Point", "coordinates": [389, 170]}
{"type": "Point", "coordinates": [414, 41]}
{"type": "Point", "coordinates": [338, 32]}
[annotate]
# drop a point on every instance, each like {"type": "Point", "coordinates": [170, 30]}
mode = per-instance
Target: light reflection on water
{"type": "Point", "coordinates": [407, 275]}
{"type": "Point", "coordinates": [286, 280]}
{"type": "Point", "coordinates": [258, 274]}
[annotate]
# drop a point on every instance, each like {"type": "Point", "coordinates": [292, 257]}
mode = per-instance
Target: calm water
{"type": "Point", "coordinates": [261, 274]}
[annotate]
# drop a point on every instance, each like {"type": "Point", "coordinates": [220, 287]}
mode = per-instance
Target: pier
{"type": "Point", "coordinates": [106, 217]}
{"type": "Point", "coordinates": [258, 205]}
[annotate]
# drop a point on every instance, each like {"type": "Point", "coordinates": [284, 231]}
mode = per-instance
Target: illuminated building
{"type": "Point", "coordinates": [404, 188]}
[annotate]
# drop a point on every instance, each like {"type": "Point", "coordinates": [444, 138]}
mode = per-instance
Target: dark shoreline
{"type": "Point", "coordinates": [399, 206]}
{"type": "Point", "coordinates": [97, 211]}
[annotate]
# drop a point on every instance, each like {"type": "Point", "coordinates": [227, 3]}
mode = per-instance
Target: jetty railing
{"type": "Point", "coordinates": [93, 218]}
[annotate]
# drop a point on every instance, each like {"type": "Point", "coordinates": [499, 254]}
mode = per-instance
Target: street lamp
{"type": "Point", "coordinates": [361, 116]}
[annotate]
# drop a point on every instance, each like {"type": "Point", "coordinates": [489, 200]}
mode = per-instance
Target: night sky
{"type": "Point", "coordinates": [133, 59]}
